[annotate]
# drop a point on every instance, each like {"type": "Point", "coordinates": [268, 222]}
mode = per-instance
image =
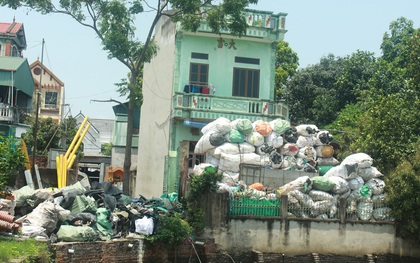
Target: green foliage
{"type": "Point", "coordinates": [204, 183]}
{"type": "Point", "coordinates": [287, 62]}
{"type": "Point", "coordinates": [12, 160]}
{"type": "Point", "coordinates": [48, 135]}
{"type": "Point", "coordinates": [170, 230]}
{"type": "Point", "coordinates": [106, 148]}
{"type": "Point", "coordinates": [402, 188]}
{"type": "Point", "coordinates": [27, 250]}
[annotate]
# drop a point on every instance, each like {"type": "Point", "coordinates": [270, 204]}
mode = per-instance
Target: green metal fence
{"type": "Point", "coordinates": [253, 207]}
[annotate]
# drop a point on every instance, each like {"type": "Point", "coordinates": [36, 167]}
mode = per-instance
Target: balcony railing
{"type": "Point", "coordinates": [205, 106]}
{"type": "Point", "coordinates": [8, 113]}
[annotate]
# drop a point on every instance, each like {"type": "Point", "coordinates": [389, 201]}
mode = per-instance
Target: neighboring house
{"type": "Point", "coordinates": [119, 139]}
{"type": "Point", "coordinates": [16, 82]}
{"type": "Point", "coordinates": [196, 78]}
{"type": "Point", "coordinates": [51, 92]}
{"type": "Point", "coordinates": [100, 131]}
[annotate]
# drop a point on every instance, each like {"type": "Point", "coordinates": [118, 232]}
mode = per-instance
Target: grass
{"type": "Point", "coordinates": [25, 250]}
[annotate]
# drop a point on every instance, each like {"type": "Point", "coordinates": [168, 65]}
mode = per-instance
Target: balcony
{"type": "Point", "coordinates": [210, 107]}
{"type": "Point", "coordinates": [261, 24]}
{"type": "Point", "coordinates": [8, 114]}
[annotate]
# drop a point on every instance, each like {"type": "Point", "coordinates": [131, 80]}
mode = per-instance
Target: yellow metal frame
{"type": "Point", "coordinates": [65, 162]}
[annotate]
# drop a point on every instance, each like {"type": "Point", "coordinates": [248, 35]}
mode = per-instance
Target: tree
{"type": "Point", "coordinates": [48, 136]}
{"type": "Point", "coordinates": [287, 62]}
{"type": "Point", "coordinates": [12, 161]}
{"type": "Point", "coordinates": [402, 188]}
{"type": "Point", "coordinates": [113, 23]}
{"type": "Point", "coordinates": [106, 148]}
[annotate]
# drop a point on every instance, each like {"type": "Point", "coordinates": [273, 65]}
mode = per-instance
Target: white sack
{"type": "Point", "coordinates": [144, 226]}
{"type": "Point", "coordinates": [255, 139]}
{"type": "Point", "coordinates": [274, 139]}
{"type": "Point", "coordinates": [305, 141]}
{"type": "Point", "coordinates": [341, 185]}
{"type": "Point", "coordinates": [221, 125]}
{"type": "Point", "coordinates": [356, 183]}
{"type": "Point", "coordinates": [307, 153]}
{"type": "Point", "coordinates": [362, 159]}
{"type": "Point", "coordinates": [345, 171]}
{"type": "Point", "coordinates": [331, 161]}
{"type": "Point", "coordinates": [231, 162]}
{"type": "Point", "coordinates": [376, 186]}
{"type": "Point", "coordinates": [306, 129]}
{"type": "Point", "coordinates": [369, 173]}
{"type": "Point", "coordinates": [233, 148]}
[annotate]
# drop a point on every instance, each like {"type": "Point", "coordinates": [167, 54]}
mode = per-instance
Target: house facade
{"type": "Point", "coordinates": [16, 82]}
{"type": "Point", "coordinates": [51, 92]}
{"type": "Point", "coordinates": [196, 78]}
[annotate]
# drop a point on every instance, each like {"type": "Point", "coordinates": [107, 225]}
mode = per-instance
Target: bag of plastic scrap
{"type": "Point", "coordinates": [231, 162]}
{"type": "Point", "coordinates": [8, 206]}
{"type": "Point", "coordinates": [274, 140]}
{"type": "Point", "coordinates": [307, 153]}
{"type": "Point", "coordinates": [341, 185]}
{"type": "Point", "coordinates": [224, 188]}
{"type": "Point", "coordinates": [144, 226]}
{"type": "Point", "coordinates": [22, 195]}
{"type": "Point", "coordinates": [362, 159]}
{"type": "Point", "coordinates": [230, 178]}
{"type": "Point", "coordinates": [216, 139]}
{"type": "Point", "coordinates": [242, 125]}
{"type": "Point", "coordinates": [382, 214]}
{"type": "Point", "coordinates": [320, 207]}
{"type": "Point", "coordinates": [211, 160]}
{"type": "Point", "coordinates": [304, 199]}
{"type": "Point", "coordinates": [306, 129]}
{"type": "Point", "coordinates": [305, 141]}
{"type": "Point", "coordinates": [279, 126]}
{"type": "Point", "coordinates": [324, 151]}
{"type": "Point", "coordinates": [318, 195]}
{"type": "Point", "coordinates": [369, 173]}
{"type": "Point", "coordinates": [233, 148]}
{"type": "Point", "coordinates": [379, 200]}
{"type": "Point", "coordinates": [235, 136]}
{"type": "Point", "coordinates": [46, 215]}
{"type": "Point", "coordinates": [306, 165]}
{"type": "Point", "coordinates": [330, 161]}
{"type": "Point", "coordinates": [221, 125]}
{"type": "Point", "coordinates": [103, 223]}
{"type": "Point", "coordinates": [262, 127]}
{"type": "Point", "coordinates": [82, 219]}
{"type": "Point", "coordinates": [322, 183]}
{"type": "Point", "coordinates": [291, 135]}
{"type": "Point", "coordinates": [204, 144]}
{"type": "Point", "coordinates": [276, 160]}
{"type": "Point", "coordinates": [82, 204]}
{"type": "Point", "coordinates": [345, 171]}
{"type": "Point", "coordinates": [255, 138]}
{"type": "Point", "coordinates": [322, 138]}
{"type": "Point", "coordinates": [376, 186]}
{"type": "Point", "coordinates": [302, 183]}
{"type": "Point", "coordinates": [289, 162]}
{"type": "Point", "coordinates": [200, 168]}
{"type": "Point", "coordinates": [264, 149]}
{"type": "Point", "coordinates": [257, 194]}
{"type": "Point", "coordinates": [31, 230]}
{"type": "Point", "coordinates": [365, 210]}
{"type": "Point", "coordinates": [290, 149]}
{"type": "Point", "coordinates": [68, 233]}
{"type": "Point", "coordinates": [356, 183]}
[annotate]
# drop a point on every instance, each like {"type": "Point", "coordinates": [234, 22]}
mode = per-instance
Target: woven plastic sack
{"type": "Point", "coordinates": [331, 161]}
{"type": "Point", "coordinates": [365, 210]}
{"type": "Point", "coordinates": [233, 148]}
{"type": "Point", "coordinates": [356, 183]}
{"type": "Point", "coordinates": [242, 125]}
{"type": "Point", "coordinates": [345, 171]}
{"type": "Point", "coordinates": [322, 183]}
{"type": "Point", "coordinates": [22, 195]}
{"type": "Point", "coordinates": [279, 125]}
{"type": "Point", "coordinates": [322, 138]}
{"type": "Point", "coordinates": [265, 149]}
{"type": "Point", "coordinates": [341, 185]}
{"type": "Point", "coordinates": [362, 159]}
{"type": "Point", "coordinates": [216, 139]}
{"type": "Point", "coordinates": [369, 173]}
{"type": "Point", "coordinates": [318, 195]}
{"type": "Point", "coordinates": [235, 136]}
{"type": "Point", "coordinates": [289, 149]}
{"type": "Point", "coordinates": [324, 151]}
{"type": "Point", "coordinates": [305, 141]}
{"type": "Point", "coordinates": [262, 127]}
{"type": "Point", "coordinates": [291, 135]}
{"type": "Point", "coordinates": [381, 214]}
{"type": "Point", "coordinates": [306, 129]}
{"type": "Point", "coordinates": [68, 233]}
{"type": "Point", "coordinates": [307, 153]}
{"type": "Point", "coordinates": [221, 125]}
{"type": "Point", "coordinates": [288, 162]}
{"type": "Point", "coordinates": [376, 186]}
{"type": "Point", "coordinates": [255, 138]}
{"type": "Point", "coordinates": [274, 139]}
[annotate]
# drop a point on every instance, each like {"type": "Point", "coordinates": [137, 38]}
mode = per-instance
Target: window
{"type": "Point", "coordinates": [51, 100]}
{"type": "Point", "coordinates": [255, 61]}
{"type": "Point", "coordinates": [15, 52]}
{"type": "Point", "coordinates": [246, 82]}
{"type": "Point", "coordinates": [199, 74]}
{"type": "Point", "coordinates": [199, 55]}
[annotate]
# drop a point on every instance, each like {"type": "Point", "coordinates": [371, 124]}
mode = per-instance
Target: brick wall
{"type": "Point", "coordinates": [124, 251]}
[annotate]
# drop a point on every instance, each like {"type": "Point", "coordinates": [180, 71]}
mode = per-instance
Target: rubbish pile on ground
{"type": "Point", "coordinates": [83, 212]}
{"type": "Point", "coordinates": [276, 145]}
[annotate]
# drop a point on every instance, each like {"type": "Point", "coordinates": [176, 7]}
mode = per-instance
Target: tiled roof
{"type": "Point", "coordinates": [11, 28]}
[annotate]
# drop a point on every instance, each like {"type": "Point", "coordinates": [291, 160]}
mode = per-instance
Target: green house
{"type": "Point", "coordinates": [196, 78]}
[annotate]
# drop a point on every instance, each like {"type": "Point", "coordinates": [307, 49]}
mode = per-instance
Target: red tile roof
{"type": "Point", "coordinates": [11, 28]}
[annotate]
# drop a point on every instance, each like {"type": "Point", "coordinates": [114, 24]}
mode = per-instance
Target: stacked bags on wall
{"type": "Point", "coordinates": [355, 179]}
{"type": "Point", "coordinates": [275, 144]}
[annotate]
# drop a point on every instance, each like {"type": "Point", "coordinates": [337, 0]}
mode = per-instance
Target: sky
{"type": "Point", "coordinates": [314, 29]}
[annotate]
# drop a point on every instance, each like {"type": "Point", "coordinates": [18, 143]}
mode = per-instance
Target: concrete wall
{"type": "Point", "coordinates": [300, 236]}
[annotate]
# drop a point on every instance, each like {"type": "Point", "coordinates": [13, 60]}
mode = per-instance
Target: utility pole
{"type": "Point", "coordinates": [38, 93]}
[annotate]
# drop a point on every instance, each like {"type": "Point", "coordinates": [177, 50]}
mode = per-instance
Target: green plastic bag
{"type": "Point", "coordinates": [236, 136]}
{"type": "Point", "coordinates": [103, 225]}
{"type": "Point", "coordinates": [322, 183]}
{"type": "Point", "coordinates": [68, 233]}
{"type": "Point", "coordinates": [365, 190]}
